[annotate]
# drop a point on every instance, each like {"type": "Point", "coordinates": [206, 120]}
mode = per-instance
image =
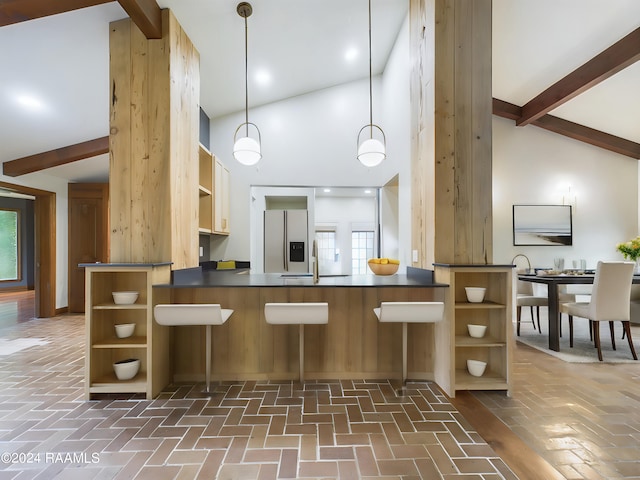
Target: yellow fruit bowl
{"type": "Point", "coordinates": [383, 266]}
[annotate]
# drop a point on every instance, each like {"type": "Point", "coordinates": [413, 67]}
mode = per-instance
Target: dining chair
{"type": "Point", "coordinates": [609, 303]}
{"type": "Point", "coordinates": [525, 297]}
{"type": "Point", "coordinates": [564, 297]}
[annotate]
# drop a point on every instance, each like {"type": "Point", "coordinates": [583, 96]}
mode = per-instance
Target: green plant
{"type": "Point", "coordinates": [630, 250]}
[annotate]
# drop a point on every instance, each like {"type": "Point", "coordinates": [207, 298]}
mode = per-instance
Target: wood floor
{"type": "Point", "coordinates": [574, 421]}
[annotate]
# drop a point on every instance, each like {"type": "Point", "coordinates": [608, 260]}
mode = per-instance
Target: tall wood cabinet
{"type": "Point", "coordinates": [150, 341]}
{"type": "Point", "coordinates": [214, 194]}
{"type": "Point", "coordinates": [454, 346]}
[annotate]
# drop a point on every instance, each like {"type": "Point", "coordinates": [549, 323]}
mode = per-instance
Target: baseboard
{"type": "Point", "coordinates": [61, 311]}
{"type": "Point", "coordinates": [21, 288]}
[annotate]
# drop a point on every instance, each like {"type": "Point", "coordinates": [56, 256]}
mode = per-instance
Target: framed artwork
{"type": "Point", "coordinates": [542, 225]}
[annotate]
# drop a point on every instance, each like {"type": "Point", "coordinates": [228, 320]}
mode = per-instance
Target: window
{"type": "Point", "coordinates": [9, 245]}
{"type": "Point", "coordinates": [362, 243]}
{"type": "Point", "coordinates": [326, 241]}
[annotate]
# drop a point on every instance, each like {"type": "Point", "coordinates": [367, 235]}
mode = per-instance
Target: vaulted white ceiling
{"type": "Point", "coordinates": [54, 83]}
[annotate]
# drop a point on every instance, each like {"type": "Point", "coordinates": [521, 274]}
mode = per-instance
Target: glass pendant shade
{"type": "Point", "coordinates": [246, 150]}
{"type": "Point", "coordinates": [371, 152]}
{"type": "Point", "coordinates": [372, 147]}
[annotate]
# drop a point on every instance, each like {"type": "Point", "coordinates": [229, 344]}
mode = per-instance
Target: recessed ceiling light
{"type": "Point", "coordinates": [367, 191]}
{"type": "Point", "coordinates": [30, 102]}
{"type": "Point", "coordinates": [263, 77]}
{"type": "Point", "coordinates": [351, 54]}
{"type": "Point", "coordinates": [327, 190]}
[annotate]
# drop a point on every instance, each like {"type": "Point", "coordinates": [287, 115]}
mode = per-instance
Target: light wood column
{"type": "Point", "coordinates": [451, 131]}
{"type": "Point", "coordinates": [153, 171]}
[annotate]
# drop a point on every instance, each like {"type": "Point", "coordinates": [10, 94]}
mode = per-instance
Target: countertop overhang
{"type": "Point", "coordinates": [243, 278]}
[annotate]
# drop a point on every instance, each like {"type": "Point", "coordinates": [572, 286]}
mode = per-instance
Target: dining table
{"type": "Point", "coordinates": [553, 282]}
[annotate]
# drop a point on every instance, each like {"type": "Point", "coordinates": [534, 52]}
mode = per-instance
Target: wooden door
{"type": "Point", "coordinates": [88, 235]}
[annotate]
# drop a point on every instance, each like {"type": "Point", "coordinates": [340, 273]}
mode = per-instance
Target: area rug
{"type": "Point", "coordinates": [583, 350]}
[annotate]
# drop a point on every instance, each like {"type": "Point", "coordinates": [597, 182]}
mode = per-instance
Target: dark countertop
{"type": "Point", "coordinates": [242, 278]}
{"type": "Point", "coordinates": [128, 265]}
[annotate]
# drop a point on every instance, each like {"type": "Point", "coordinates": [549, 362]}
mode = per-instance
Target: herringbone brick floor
{"type": "Point", "coordinates": [253, 430]}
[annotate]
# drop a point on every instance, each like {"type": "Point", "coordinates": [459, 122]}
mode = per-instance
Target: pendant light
{"type": "Point", "coordinates": [371, 151]}
{"type": "Point", "coordinates": [246, 149]}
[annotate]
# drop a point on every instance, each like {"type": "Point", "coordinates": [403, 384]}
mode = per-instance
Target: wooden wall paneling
{"type": "Point", "coordinates": [353, 343]}
{"type": "Point", "coordinates": [445, 134]}
{"type": "Point", "coordinates": [370, 356]}
{"type": "Point", "coordinates": [184, 101]}
{"type": "Point", "coordinates": [451, 137]}
{"type": "Point", "coordinates": [141, 160]}
{"type": "Point", "coordinates": [422, 126]}
{"type": "Point", "coordinates": [463, 107]}
{"type": "Point", "coordinates": [421, 345]}
{"type": "Point", "coordinates": [119, 140]}
{"type": "Point", "coordinates": [243, 333]}
{"type": "Point", "coordinates": [482, 132]}
{"type": "Point", "coordinates": [154, 156]}
{"type": "Point", "coordinates": [277, 343]}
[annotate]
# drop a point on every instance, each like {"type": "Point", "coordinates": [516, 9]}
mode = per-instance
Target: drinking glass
{"type": "Point", "coordinates": [558, 264]}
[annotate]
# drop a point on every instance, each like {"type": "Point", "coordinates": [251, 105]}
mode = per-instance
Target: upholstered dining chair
{"type": "Point", "coordinates": [609, 303]}
{"type": "Point", "coordinates": [525, 297]}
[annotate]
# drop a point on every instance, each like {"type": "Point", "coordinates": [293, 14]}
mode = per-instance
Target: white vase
{"type": "Point", "coordinates": [636, 269]}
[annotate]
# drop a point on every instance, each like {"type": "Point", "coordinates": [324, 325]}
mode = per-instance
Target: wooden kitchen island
{"type": "Point", "coordinates": [353, 344]}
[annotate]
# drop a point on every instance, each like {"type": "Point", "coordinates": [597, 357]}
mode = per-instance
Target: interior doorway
{"type": "Point", "coordinates": [45, 247]}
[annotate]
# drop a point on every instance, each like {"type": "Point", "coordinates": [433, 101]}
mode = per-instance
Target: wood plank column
{"type": "Point", "coordinates": [153, 170]}
{"type": "Point", "coordinates": [451, 131]}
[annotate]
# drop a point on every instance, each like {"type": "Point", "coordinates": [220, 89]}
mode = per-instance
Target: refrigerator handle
{"type": "Point", "coordinates": [284, 244]}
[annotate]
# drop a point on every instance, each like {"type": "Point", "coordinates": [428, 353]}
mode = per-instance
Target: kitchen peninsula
{"type": "Point", "coordinates": [352, 345]}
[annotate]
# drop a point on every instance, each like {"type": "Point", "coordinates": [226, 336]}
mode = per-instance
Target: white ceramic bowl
{"type": "Point", "coordinates": [124, 298]}
{"type": "Point", "coordinates": [125, 330]}
{"type": "Point", "coordinates": [476, 331]}
{"type": "Point", "coordinates": [126, 369]}
{"type": "Point", "coordinates": [475, 294]}
{"type": "Point", "coordinates": [476, 367]}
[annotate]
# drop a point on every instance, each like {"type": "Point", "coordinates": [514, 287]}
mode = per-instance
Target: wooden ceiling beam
{"type": "Point", "coordinates": [16, 11]}
{"type": "Point", "coordinates": [146, 14]}
{"type": "Point", "coordinates": [572, 130]}
{"type": "Point", "coordinates": [617, 57]}
{"type": "Point", "coordinates": [54, 158]}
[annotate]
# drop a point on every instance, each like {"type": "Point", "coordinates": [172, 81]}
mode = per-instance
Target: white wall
{"type": "Point", "coordinates": [533, 166]}
{"type": "Point", "coordinates": [310, 140]}
{"type": "Point", "coordinates": [346, 214]}
{"type": "Point", "coordinates": [396, 97]}
{"type": "Point", "coordinates": [57, 185]}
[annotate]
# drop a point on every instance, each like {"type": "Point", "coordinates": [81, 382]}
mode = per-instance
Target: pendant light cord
{"type": "Point", "coordinates": [370, 79]}
{"type": "Point", "coordinates": [246, 75]}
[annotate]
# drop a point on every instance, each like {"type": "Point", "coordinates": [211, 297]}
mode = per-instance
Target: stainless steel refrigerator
{"type": "Point", "coordinates": [286, 246]}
